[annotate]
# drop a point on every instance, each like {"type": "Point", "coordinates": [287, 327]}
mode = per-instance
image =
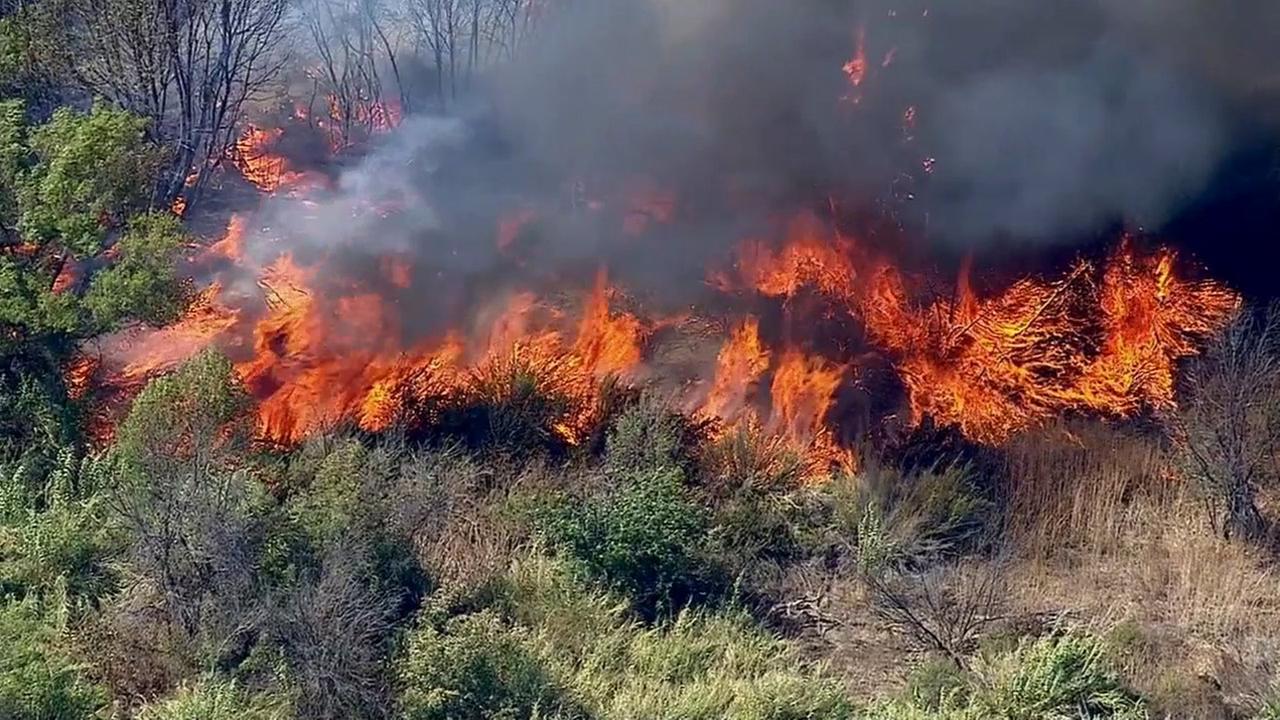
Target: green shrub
{"type": "Point", "coordinates": [1054, 677]}
{"type": "Point", "coordinates": [920, 517]}
{"type": "Point", "coordinates": [1060, 677]}
{"type": "Point", "coordinates": [54, 542]}
{"type": "Point", "coordinates": [37, 680]}
{"type": "Point", "coordinates": [217, 699]}
{"type": "Point", "coordinates": [644, 539]}
{"type": "Point", "coordinates": [475, 667]}
{"type": "Point", "coordinates": [140, 284]}
{"type": "Point", "coordinates": [328, 499]}
{"type": "Point", "coordinates": [94, 169]}
{"type": "Point", "coordinates": [649, 435]}
{"type": "Point", "coordinates": [937, 683]}
{"type": "Point", "coordinates": [343, 492]}
{"type": "Point", "coordinates": [748, 458]}
{"type": "Point", "coordinates": [524, 402]}
{"type": "Point", "coordinates": [701, 664]}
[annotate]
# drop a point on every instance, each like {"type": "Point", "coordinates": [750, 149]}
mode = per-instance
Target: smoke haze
{"type": "Point", "coordinates": [1039, 122]}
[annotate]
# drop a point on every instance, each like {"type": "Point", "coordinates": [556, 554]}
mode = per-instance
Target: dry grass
{"type": "Point", "coordinates": [1077, 487]}
{"type": "Point", "coordinates": [1104, 535]}
{"type": "Point", "coordinates": [1109, 536]}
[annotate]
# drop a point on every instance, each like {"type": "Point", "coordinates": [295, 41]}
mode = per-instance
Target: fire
{"type": "Point", "coordinates": [1100, 339]}
{"type": "Point", "coordinates": [856, 68]}
{"type": "Point", "coordinates": [608, 344]}
{"type": "Point", "coordinates": [254, 156]}
{"type": "Point", "coordinates": [317, 349]}
{"type": "Point", "coordinates": [802, 392]}
{"type": "Point", "coordinates": [510, 227]}
{"type": "Point", "coordinates": [800, 395]}
{"type": "Point", "coordinates": [810, 258]}
{"type": "Point", "coordinates": [647, 206]}
{"type": "Point", "coordinates": [317, 358]}
{"type": "Point", "coordinates": [741, 362]}
{"type": "Point", "coordinates": [1152, 318]}
{"type": "Point", "coordinates": [317, 345]}
{"type": "Point", "coordinates": [142, 353]}
{"type": "Point", "coordinates": [231, 245]}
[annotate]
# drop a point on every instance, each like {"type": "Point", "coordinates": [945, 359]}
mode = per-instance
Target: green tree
{"type": "Point", "coordinates": [476, 667]}
{"type": "Point", "coordinates": [214, 698]}
{"type": "Point", "coordinates": [645, 538]}
{"type": "Point", "coordinates": [79, 256]}
{"type": "Point", "coordinates": [55, 545]}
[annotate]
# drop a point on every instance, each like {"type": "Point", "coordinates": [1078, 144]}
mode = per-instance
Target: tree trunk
{"type": "Point", "coordinates": [1243, 520]}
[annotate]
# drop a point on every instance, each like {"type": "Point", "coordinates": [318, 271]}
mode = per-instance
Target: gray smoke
{"type": "Point", "coordinates": [1045, 118]}
{"type": "Point", "coordinates": [1039, 120]}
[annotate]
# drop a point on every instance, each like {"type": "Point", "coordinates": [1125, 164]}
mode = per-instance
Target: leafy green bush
{"type": "Point", "coordinates": [343, 493]}
{"type": "Point", "coordinates": [54, 542]}
{"type": "Point", "coordinates": [523, 402]}
{"type": "Point", "coordinates": [649, 435]}
{"type": "Point", "coordinates": [645, 539]}
{"type": "Point", "coordinates": [748, 458]}
{"type": "Point", "coordinates": [37, 680]}
{"type": "Point", "coordinates": [937, 682]}
{"type": "Point", "coordinates": [92, 170]}
{"type": "Point", "coordinates": [476, 667]}
{"type": "Point", "coordinates": [1053, 677]}
{"type": "Point", "coordinates": [327, 499]}
{"type": "Point", "coordinates": [139, 284]}
{"type": "Point", "coordinates": [65, 186]}
{"type": "Point", "coordinates": [584, 653]}
{"type": "Point", "coordinates": [217, 699]}
{"type": "Point", "coordinates": [1058, 677]}
{"type": "Point", "coordinates": [703, 665]}
{"type": "Point", "coordinates": [920, 517]}
{"type": "Point", "coordinates": [1270, 707]}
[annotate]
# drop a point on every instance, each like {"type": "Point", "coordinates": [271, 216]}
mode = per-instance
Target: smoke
{"type": "Point", "coordinates": [1043, 119]}
{"type": "Point", "coordinates": [1037, 121]}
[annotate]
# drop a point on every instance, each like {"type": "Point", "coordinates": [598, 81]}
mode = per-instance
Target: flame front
{"type": "Point", "coordinates": [1102, 340]}
{"type": "Point", "coordinates": [318, 345]}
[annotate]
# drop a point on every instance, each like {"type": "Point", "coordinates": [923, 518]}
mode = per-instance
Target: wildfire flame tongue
{"type": "Point", "coordinates": [1102, 337]}
{"type": "Point", "coordinates": [1105, 342]}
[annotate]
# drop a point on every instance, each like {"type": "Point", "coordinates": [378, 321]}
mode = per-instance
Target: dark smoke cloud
{"type": "Point", "coordinates": [1046, 120]}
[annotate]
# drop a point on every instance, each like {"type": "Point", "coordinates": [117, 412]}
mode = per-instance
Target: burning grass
{"type": "Point", "coordinates": [318, 345]}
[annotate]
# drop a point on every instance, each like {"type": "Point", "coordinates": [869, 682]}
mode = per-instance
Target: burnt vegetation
{"type": "Point", "coordinates": [501, 397]}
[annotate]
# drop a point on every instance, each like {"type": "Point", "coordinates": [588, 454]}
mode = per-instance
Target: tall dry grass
{"type": "Point", "coordinates": [1108, 534]}
{"type": "Point", "coordinates": [1078, 487]}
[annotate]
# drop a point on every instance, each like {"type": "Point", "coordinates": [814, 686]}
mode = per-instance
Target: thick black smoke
{"type": "Point", "coordinates": [1022, 120]}
{"type": "Point", "coordinates": [1043, 118]}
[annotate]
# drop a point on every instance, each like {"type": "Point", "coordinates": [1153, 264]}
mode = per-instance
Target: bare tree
{"type": "Point", "coordinates": [944, 608]}
{"type": "Point", "coordinates": [333, 630]}
{"type": "Point", "coordinates": [1228, 421]}
{"type": "Point", "coordinates": [188, 65]}
{"type": "Point", "coordinates": [192, 537]}
{"type": "Point", "coordinates": [436, 26]}
{"type": "Point", "coordinates": [462, 37]}
{"type": "Point", "coordinates": [512, 21]}
{"type": "Point", "coordinates": [354, 42]}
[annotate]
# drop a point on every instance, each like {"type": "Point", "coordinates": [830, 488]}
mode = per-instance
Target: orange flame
{"type": "Point", "coordinates": [253, 156]}
{"type": "Point", "coordinates": [607, 344]}
{"type": "Point", "coordinates": [316, 347]}
{"type": "Point", "coordinates": [998, 364]}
